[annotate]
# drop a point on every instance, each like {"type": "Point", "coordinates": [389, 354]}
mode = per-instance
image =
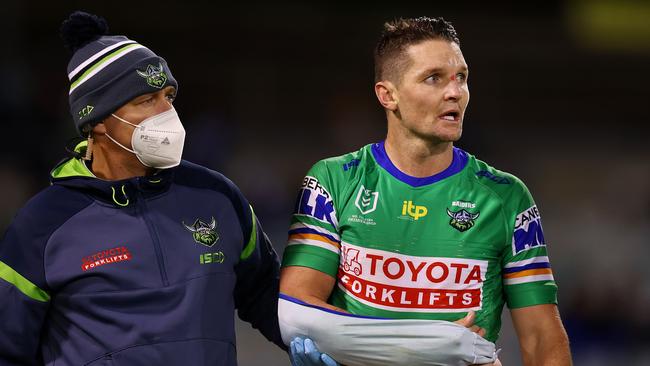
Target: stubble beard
{"type": "Point", "coordinates": [440, 135]}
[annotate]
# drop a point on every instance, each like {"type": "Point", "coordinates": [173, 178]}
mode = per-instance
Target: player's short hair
{"type": "Point", "coordinates": [390, 53]}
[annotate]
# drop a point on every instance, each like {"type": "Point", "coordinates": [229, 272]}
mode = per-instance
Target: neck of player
{"type": "Point", "coordinates": [416, 156]}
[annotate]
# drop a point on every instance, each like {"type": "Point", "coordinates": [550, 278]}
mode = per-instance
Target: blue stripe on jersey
{"type": "Point", "coordinates": [306, 230]}
{"type": "Point", "coordinates": [526, 267]}
{"type": "Point", "coordinates": [458, 163]}
{"type": "Point", "coordinates": [300, 302]}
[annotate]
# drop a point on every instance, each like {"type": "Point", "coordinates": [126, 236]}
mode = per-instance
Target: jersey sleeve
{"type": "Point", "coordinates": [314, 240]}
{"type": "Point", "coordinates": [527, 275]}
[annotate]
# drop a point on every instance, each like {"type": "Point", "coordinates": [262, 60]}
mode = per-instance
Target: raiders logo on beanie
{"type": "Point", "coordinates": [106, 71]}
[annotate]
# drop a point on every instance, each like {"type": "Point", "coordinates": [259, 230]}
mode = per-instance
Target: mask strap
{"type": "Point", "coordinates": [123, 120]}
{"type": "Point", "coordinates": [112, 139]}
{"type": "Point", "coordinates": [120, 145]}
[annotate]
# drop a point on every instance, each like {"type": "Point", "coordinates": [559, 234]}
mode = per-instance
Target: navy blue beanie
{"type": "Point", "coordinates": [106, 72]}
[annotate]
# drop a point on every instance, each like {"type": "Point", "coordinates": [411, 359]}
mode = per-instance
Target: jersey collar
{"type": "Point", "coordinates": [457, 164]}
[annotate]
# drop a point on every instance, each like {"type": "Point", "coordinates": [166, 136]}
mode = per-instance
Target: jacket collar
{"type": "Point", "coordinates": [75, 174]}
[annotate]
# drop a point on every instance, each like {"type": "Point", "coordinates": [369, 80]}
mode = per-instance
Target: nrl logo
{"type": "Point", "coordinates": [366, 200]}
{"type": "Point", "coordinates": [155, 76]}
{"type": "Point", "coordinates": [462, 220]}
{"type": "Point", "coordinates": [203, 233]}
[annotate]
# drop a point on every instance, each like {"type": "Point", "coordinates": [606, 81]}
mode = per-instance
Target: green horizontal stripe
{"type": "Point", "coordinates": [312, 257]}
{"type": "Point", "coordinates": [24, 285]}
{"type": "Point", "coordinates": [530, 294]}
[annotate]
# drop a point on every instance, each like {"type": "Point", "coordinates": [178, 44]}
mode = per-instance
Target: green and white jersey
{"type": "Point", "coordinates": [468, 238]}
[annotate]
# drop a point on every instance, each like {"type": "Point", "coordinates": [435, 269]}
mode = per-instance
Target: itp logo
{"type": "Point", "coordinates": [415, 211]}
{"type": "Point", "coordinates": [366, 200]}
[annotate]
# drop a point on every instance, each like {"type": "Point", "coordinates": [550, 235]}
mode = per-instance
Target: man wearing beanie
{"type": "Point", "coordinates": [133, 256]}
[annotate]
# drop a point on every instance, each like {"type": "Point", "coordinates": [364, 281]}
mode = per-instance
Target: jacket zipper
{"type": "Point", "coordinates": [154, 238]}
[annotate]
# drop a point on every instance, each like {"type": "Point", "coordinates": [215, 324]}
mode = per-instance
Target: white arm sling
{"type": "Point", "coordinates": [354, 340]}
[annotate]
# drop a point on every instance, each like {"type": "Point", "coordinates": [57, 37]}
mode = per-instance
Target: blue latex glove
{"type": "Point", "coordinates": [305, 353]}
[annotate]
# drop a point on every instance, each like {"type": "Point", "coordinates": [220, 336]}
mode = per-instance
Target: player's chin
{"type": "Point", "coordinates": [452, 134]}
{"type": "Point", "coordinates": [442, 138]}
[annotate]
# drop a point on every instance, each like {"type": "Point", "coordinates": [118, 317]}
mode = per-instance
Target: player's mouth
{"type": "Point", "coordinates": [452, 115]}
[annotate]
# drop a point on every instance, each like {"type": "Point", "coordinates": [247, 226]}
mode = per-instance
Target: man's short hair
{"type": "Point", "coordinates": [390, 54]}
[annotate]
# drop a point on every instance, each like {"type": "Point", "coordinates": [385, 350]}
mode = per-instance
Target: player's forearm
{"type": "Point", "coordinates": [542, 337]}
{"type": "Point", "coordinates": [307, 285]}
{"type": "Point", "coordinates": [313, 300]}
{"type": "Point", "coordinates": [550, 351]}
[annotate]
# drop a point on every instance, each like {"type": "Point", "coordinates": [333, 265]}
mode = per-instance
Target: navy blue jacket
{"type": "Point", "coordinates": [142, 271]}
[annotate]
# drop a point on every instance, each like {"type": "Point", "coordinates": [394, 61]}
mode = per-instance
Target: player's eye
{"type": "Point", "coordinates": [432, 79]}
{"type": "Point", "coordinates": [461, 76]}
{"type": "Point", "coordinates": [171, 97]}
{"type": "Point", "coordinates": [148, 100]}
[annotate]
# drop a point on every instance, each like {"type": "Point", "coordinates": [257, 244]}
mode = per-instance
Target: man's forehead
{"type": "Point", "coordinates": [436, 54]}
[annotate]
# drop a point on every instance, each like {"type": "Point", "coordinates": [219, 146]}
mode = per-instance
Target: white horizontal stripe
{"type": "Point", "coordinates": [543, 259]}
{"type": "Point", "coordinates": [527, 279]}
{"type": "Point", "coordinates": [95, 57]}
{"type": "Point", "coordinates": [314, 243]}
{"type": "Point", "coordinates": [300, 225]}
{"type": "Point", "coordinates": [102, 66]}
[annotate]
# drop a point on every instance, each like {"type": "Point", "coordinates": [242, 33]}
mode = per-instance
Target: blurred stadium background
{"type": "Point", "coordinates": [559, 98]}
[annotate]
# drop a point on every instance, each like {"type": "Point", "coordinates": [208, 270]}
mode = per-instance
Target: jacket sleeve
{"type": "Point", "coordinates": [258, 280]}
{"type": "Point", "coordinates": [24, 297]}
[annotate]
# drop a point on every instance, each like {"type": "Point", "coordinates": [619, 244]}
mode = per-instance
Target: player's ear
{"type": "Point", "coordinates": [99, 129]}
{"type": "Point", "coordinates": [387, 94]}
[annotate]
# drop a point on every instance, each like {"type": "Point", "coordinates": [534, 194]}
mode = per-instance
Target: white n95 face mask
{"type": "Point", "coordinates": [158, 140]}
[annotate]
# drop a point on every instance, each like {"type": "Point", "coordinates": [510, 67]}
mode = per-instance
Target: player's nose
{"type": "Point", "coordinates": [453, 91]}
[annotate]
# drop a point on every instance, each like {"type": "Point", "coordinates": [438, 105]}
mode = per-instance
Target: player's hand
{"type": "Point", "coordinates": [305, 353]}
{"type": "Point", "coordinates": [468, 322]}
{"type": "Point", "coordinates": [496, 363]}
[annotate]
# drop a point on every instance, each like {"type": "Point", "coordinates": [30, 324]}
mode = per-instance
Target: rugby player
{"type": "Point", "coordinates": [414, 228]}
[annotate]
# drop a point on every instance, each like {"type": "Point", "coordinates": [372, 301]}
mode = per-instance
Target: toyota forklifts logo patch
{"type": "Point", "coordinates": [407, 283]}
{"type": "Point", "coordinates": [108, 256]}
